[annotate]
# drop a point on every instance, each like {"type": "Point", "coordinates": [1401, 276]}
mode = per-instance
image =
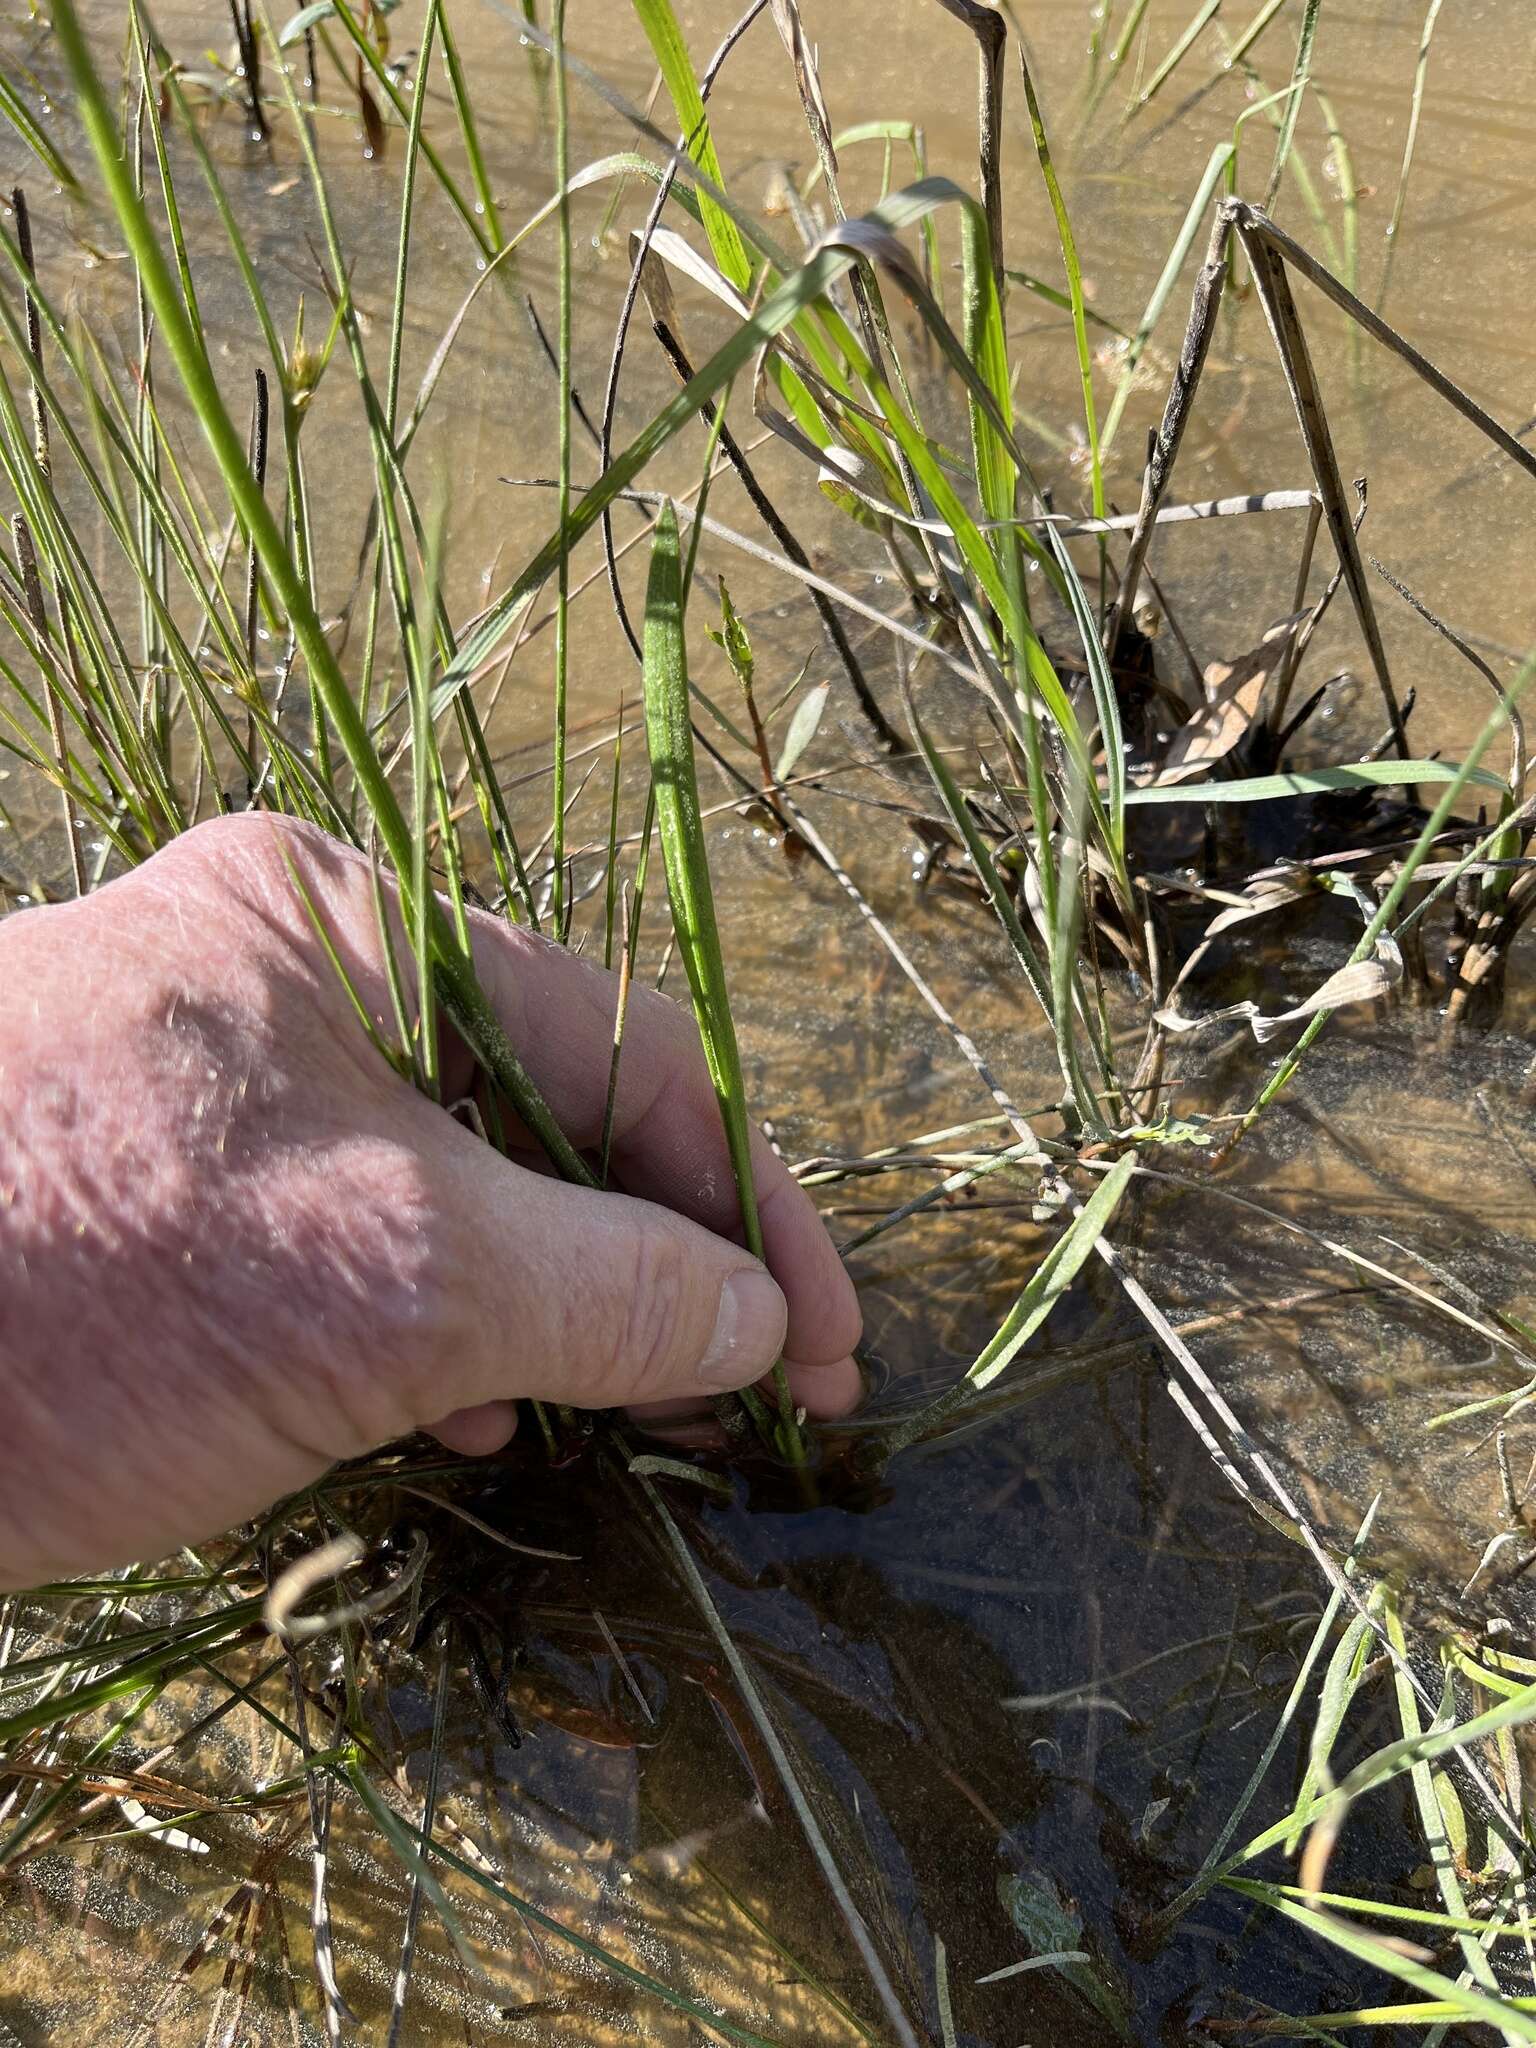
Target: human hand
{"type": "Point", "coordinates": [236, 1246]}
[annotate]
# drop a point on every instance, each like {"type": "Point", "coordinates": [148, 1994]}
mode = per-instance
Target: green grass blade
{"type": "Point", "coordinates": [800, 290]}
{"type": "Point", "coordinates": [671, 53]}
{"type": "Point", "coordinates": [1000, 897]}
{"type": "Point", "coordinates": [163, 170]}
{"type": "Point", "coordinates": [1042, 1291]}
{"type": "Point", "coordinates": [1074, 272]}
{"type": "Point", "coordinates": [1416, 1916]}
{"type": "Point", "coordinates": [986, 345]}
{"type": "Point", "coordinates": [1124, 42]}
{"type": "Point", "coordinates": [1194, 29]}
{"type": "Point", "coordinates": [393, 1057]}
{"type": "Point", "coordinates": [669, 735]}
{"type": "Point", "coordinates": [192, 129]}
{"type": "Point", "coordinates": [40, 1814]}
{"type": "Point", "coordinates": [1410, 142]}
{"type": "Point", "coordinates": [1037, 288]}
{"type": "Point", "coordinates": [16, 111]}
{"type": "Point", "coordinates": [563, 566]}
{"type": "Point", "coordinates": [469, 134]}
{"type": "Point", "coordinates": [1391, 1762]}
{"type": "Point", "coordinates": [424, 779]}
{"type": "Point", "coordinates": [1212, 1869]}
{"type": "Point", "coordinates": [1452, 2000]}
{"type": "Point", "coordinates": [463, 206]}
{"type": "Point", "coordinates": [164, 1661]}
{"type": "Point", "coordinates": [1349, 200]}
{"type": "Point", "coordinates": [1107, 705]}
{"type": "Point", "coordinates": [1254, 30]}
{"type": "Point", "coordinates": [1221, 157]}
{"type": "Point", "coordinates": [1263, 789]}
{"type": "Point", "coordinates": [1442, 1857]}
{"type": "Point", "coordinates": [1341, 1680]}
{"type": "Point", "coordinates": [1300, 71]}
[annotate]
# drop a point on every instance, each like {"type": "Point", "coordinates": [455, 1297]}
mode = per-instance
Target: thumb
{"type": "Point", "coordinates": [595, 1299]}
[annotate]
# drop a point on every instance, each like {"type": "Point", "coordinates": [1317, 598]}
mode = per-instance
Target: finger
{"type": "Point", "coordinates": [477, 1432]}
{"type": "Point", "coordinates": [566, 1294]}
{"type": "Point", "coordinates": [825, 1392]}
{"type": "Point", "coordinates": [668, 1142]}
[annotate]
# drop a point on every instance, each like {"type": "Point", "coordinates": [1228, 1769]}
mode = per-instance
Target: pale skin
{"type": "Point", "coordinates": [236, 1246]}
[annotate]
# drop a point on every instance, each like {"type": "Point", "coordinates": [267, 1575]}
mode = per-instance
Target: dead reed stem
{"type": "Point", "coordinates": [1274, 291]}
{"type": "Point", "coordinates": [1164, 448]}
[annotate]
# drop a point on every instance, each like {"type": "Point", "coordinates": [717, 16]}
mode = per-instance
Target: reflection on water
{"type": "Point", "coordinates": [1046, 1652]}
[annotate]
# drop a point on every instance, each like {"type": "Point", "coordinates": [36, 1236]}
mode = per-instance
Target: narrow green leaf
{"type": "Point", "coordinates": [1301, 71]}
{"type": "Point", "coordinates": [669, 735]}
{"type": "Point", "coordinates": [1106, 703]}
{"type": "Point", "coordinates": [1221, 156]}
{"type": "Point", "coordinates": [1396, 1758]}
{"type": "Point", "coordinates": [1435, 1797]}
{"type": "Point", "coordinates": [1043, 1290]}
{"type": "Point", "coordinates": [1192, 32]}
{"type": "Point", "coordinates": [782, 307]}
{"type": "Point", "coordinates": [1211, 1869]}
{"type": "Point", "coordinates": [185, 346]}
{"type": "Point", "coordinates": [1454, 2000]}
{"type": "Point", "coordinates": [21, 118]}
{"type": "Point", "coordinates": [1261, 789]}
{"type": "Point", "coordinates": [671, 53]}
{"type": "Point", "coordinates": [1000, 897]}
{"type": "Point", "coordinates": [1074, 272]}
{"type": "Point", "coordinates": [1411, 135]}
{"type": "Point", "coordinates": [1038, 288]}
{"type": "Point", "coordinates": [986, 344]}
{"type": "Point", "coordinates": [1341, 1681]}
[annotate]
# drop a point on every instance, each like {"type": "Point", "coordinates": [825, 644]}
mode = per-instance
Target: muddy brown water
{"type": "Point", "coordinates": [1047, 1651]}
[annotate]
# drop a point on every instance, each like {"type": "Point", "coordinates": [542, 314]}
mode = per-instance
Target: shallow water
{"type": "Point", "coordinates": [1076, 1556]}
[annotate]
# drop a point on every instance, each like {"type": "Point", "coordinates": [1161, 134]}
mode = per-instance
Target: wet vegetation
{"type": "Point", "coordinates": [608, 1740]}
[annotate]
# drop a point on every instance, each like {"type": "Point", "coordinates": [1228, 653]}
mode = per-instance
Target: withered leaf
{"type": "Point", "coordinates": [1233, 691]}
